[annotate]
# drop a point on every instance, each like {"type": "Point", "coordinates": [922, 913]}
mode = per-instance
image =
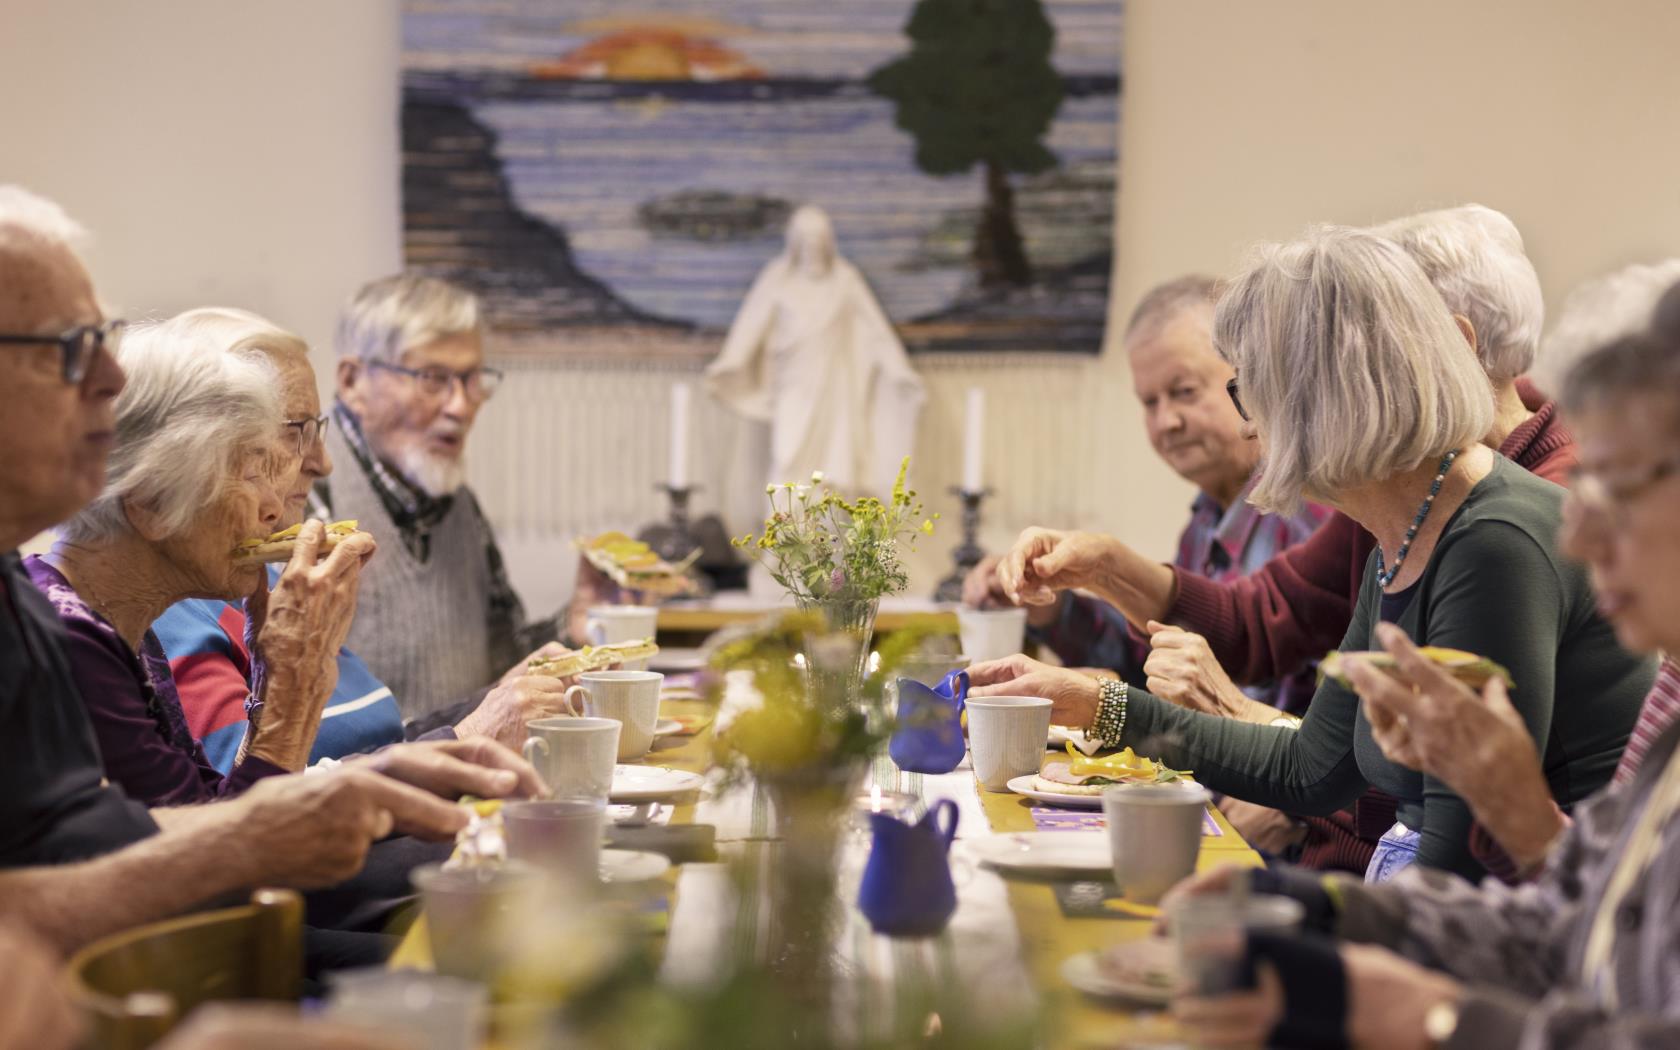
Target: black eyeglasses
{"type": "Point", "coordinates": [478, 383]}
{"type": "Point", "coordinates": [308, 431]}
{"type": "Point", "coordinates": [1231, 388]}
{"type": "Point", "coordinates": [77, 347]}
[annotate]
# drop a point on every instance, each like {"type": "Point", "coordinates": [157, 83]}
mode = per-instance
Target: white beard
{"type": "Point", "coordinates": [436, 476]}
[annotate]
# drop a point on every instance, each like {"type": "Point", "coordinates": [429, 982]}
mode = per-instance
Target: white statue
{"type": "Point", "coordinates": [812, 354]}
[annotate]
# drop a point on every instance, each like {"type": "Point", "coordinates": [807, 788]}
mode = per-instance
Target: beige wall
{"type": "Point", "coordinates": [246, 153]}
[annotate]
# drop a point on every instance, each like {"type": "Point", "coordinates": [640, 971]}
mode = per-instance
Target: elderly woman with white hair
{"type": "Point", "coordinates": [197, 467]}
{"type": "Point", "coordinates": [1365, 397]}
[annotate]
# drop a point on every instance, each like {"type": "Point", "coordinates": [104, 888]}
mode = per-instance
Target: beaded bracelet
{"type": "Point", "coordinates": [1109, 725]}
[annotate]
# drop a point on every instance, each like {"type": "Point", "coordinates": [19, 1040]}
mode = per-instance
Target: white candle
{"type": "Point", "coordinates": [679, 435]}
{"type": "Point", "coordinates": [973, 441]}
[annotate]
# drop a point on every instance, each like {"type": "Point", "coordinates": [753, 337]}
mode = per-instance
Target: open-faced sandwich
{"type": "Point", "coordinates": [278, 546]}
{"type": "Point", "coordinates": [592, 658]}
{"type": "Point", "coordinates": [632, 564]}
{"type": "Point", "coordinates": [1474, 671]}
{"type": "Point", "coordinates": [1079, 775]}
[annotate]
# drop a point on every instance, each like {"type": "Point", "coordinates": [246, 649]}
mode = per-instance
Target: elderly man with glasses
{"type": "Point", "coordinates": [439, 621]}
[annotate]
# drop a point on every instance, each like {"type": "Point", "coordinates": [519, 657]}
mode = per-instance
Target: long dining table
{"type": "Point", "coordinates": [1009, 937]}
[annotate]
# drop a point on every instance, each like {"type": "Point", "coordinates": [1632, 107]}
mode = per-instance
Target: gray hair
{"type": "Point", "coordinates": [1474, 257]}
{"type": "Point", "coordinates": [1167, 300]}
{"type": "Point", "coordinates": [1602, 310]}
{"type": "Point", "coordinates": [1351, 366]}
{"type": "Point", "coordinates": [33, 216]}
{"type": "Point", "coordinates": [202, 393]}
{"type": "Point", "coordinates": [398, 313]}
{"type": "Point", "coordinates": [1643, 363]}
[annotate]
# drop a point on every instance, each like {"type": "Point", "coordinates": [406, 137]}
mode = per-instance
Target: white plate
{"type": "Point", "coordinates": [1023, 785]}
{"type": "Point", "coordinates": [666, 726]}
{"type": "Point", "coordinates": [620, 866]}
{"type": "Point", "coordinates": [1047, 853]}
{"type": "Point", "coordinates": [651, 783]}
{"type": "Point", "coordinates": [677, 661]}
{"type": "Point", "coordinates": [1082, 972]}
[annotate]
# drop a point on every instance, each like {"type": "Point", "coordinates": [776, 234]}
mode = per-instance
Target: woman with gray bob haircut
{"type": "Point", "coordinates": [1365, 396]}
{"type": "Point", "coordinates": [198, 466]}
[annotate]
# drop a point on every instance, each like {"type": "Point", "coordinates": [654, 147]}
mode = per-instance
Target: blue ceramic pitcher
{"type": "Point", "coordinates": [907, 889]}
{"type": "Point", "coordinates": [929, 737]}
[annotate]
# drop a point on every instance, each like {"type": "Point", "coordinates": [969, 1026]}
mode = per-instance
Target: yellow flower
{"type": "Point", "coordinates": [927, 527]}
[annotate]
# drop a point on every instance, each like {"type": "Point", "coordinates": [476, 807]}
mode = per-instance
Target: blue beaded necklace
{"type": "Point", "coordinates": [1386, 578]}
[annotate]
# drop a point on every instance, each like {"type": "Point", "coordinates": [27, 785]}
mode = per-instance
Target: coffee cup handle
{"type": "Point", "coordinates": [566, 702]}
{"type": "Point", "coordinates": [533, 745]}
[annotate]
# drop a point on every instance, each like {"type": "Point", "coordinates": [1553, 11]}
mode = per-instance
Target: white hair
{"type": "Point", "coordinates": [203, 393]}
{"type": "Point", "coordinates": [1474, 257]}
{"type": "Point", "coordinates": [1350, 365]}
{"type": "Point", "coordinates": [36, 217]}
{"type": "Point", "coordinates": [1601, 311]}
{"type": "Point", "coordinates": [398, 313]}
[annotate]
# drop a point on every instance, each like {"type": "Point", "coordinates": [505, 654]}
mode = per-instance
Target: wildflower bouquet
{"type": "Point", "coordinates": [822, 547]}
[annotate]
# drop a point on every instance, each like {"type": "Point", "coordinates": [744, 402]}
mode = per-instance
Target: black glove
{"type": "Point", "coordinates": [1315, 996]}
{"type": "Point", "coordinates": [1301, 885]}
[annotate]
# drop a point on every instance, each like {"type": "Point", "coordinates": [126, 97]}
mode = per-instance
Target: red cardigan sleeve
{"type": "Point", "coordinates": [1289, 612]}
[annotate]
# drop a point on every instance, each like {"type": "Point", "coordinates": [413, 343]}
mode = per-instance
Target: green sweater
{"type": "Point", "coordinates": [1494, 586]}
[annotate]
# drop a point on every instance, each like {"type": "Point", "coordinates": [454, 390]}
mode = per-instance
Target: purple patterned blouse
{"type": "Point", "coordinates": [136, 715]}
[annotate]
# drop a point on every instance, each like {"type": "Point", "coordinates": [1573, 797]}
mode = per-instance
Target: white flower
{"type": "Point", "coordinates": [769, 490]}
{"type": "Point", "coordinates": [816, 477]}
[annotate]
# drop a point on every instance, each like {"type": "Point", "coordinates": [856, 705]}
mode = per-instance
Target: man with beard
{"type": "Point", "coordinates": [439, 621]}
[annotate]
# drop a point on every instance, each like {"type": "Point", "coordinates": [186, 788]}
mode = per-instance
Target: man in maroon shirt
{"type": "Point", "coordinates": [1297, 607]}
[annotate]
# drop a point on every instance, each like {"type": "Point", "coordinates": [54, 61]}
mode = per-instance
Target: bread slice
{"type": "Point", "coordinates": [1474, 671]}
{"type": "Point", "coordinates": [593, 658]}
{"type": "Point", "coordinates": [278, 546]}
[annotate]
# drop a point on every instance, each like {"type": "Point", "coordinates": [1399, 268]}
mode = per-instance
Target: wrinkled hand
{"type": "Point", "coordinates": [1181, 669]}
{"type": "Point", "coordinates": [981, 588]}
{"type": "Point", "coordinates": [1240, 1019]}
{"type": "Point", "coordinates": [1045, 561]}
{"type": "Point", "coordinates": [1429, 721]}
{"type": "Point", "coordinates": [505, 709]}
{"type": "Point", "coordinates": [35, 1014]}
{"type": "Point", "coordinates": [1476, 745]}
{"type": "Point", "coordinates": [224, 1026]}
{"type": "Point", "coordinates": [1072, 696]}
{"type": "Point", "coordinates": [294, 633]}
{"type": "Point", "coordinates": [452, 768]}
{"type": "Point", "coordinates": [1271, 830]}
{"type": "Point", "coordinates": [306, 831]}
{"type": "Point", "coordinates": [1388, 997]}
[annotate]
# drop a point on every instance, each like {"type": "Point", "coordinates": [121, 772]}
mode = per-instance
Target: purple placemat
{"type": "Point", "coordinates": [1046, 818]}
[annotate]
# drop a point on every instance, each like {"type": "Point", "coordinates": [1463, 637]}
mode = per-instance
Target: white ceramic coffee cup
{"type": "Point", "coordinates": [574, 756]}
{"type": "Point", "coordinates": [622, 623]}
{"type": "Point", "coordinates": [988, 634]}
{"type": "Point", "coordinates": [1006, 735]}
{"type": "Point", "coordinates": [1155, 835]}
{"type": "Point", "coordinates": [628, 697]}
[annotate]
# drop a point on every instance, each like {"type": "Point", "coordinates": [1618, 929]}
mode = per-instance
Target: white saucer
{"type": "Point", "coordinates": [619, 866]}
{"type": "Point", "coordinates": [1082, 854]}
{"type": "Point", "coordinates": [1023, 785]}
{"type": "Point", "coordinates": [1083, 972]}
{"type": "Point", "coordinates": [651, 783]}
{"type": "Point", "coordinates": [666, 726]}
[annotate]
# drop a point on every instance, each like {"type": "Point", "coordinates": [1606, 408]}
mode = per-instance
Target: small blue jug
{"type": "Point", "coordinates": [907, 889]}
{"type": "Point", "coordinates": [929, 738]}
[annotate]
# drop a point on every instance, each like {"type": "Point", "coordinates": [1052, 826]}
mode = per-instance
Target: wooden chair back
{"type": "Point", "coordinates": [133, 987]}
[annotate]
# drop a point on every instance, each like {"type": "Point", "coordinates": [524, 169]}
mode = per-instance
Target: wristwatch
{"type": "Point", "coordinates": [1440, 1022]}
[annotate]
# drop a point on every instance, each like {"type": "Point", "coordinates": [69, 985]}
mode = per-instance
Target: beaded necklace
{"type": "Point", "coordinates": [1386, 578]}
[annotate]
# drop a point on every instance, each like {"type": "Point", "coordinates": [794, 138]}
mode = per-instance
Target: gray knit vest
{"type": "Point", "coordinates": [422, 627]}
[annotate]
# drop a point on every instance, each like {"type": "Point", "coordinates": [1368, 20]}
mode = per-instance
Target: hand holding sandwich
{"type": "Point", "coordinates": [1424, 717]}
{"type": "Point", "coordinates": [516, 700]}
{"type": "Point", "coordinates": [294, 633]}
